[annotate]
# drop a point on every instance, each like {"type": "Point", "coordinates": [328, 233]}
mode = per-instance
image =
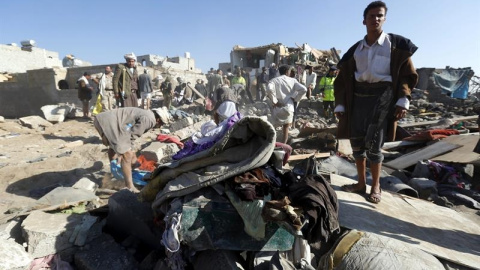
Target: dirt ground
{"type": "Point", "coordinates": [34, 162]}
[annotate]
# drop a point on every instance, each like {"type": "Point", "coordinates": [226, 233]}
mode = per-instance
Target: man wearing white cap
{"type": "Point", "coordinates": [125, 82]}
{"type": "Point", "coordinates": [119, 129]}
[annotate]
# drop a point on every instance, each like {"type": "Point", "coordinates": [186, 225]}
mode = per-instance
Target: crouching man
{"type": "Point", "coordinates": [119, 129]}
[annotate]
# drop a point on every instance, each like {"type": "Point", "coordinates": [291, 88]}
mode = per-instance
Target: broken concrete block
{"type": "Point", "coordinates": [105, 253]}
{"type": "Point", "coordinates": [2, 119]}
{"type": "Point", "coordinates": [218, 259]}
{"type": "Point", "coordinates": [73, 144]}
{"type": "Point", "coordinates": [13, 256]}
{"type": "Point", "coordinates": [34, 122]}
{"type": "Point", "coordinates": [129, 216]}
{"type": "Point", "coordinates": [421, 170]}
{"type": "Point", "coordinates": [184, 133]}
{"type": "Point", "coordinates": [66, 195]}
{"type": "Point", "coordinates": [51, 235]}
{"type": "Point", "coordinates": [11, 230]}
{"type": "Point", "coordinates": [56, 113]}
{"type": "Point", "coordinates": [424, 186]}
{"type": "Point", "coordinates": [86, 184]}
{"type": "Point", "coordinates": [182, 123]}
{"type": "Point", "coordinates": [158, 151]}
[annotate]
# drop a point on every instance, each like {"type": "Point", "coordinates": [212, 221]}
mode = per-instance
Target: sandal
{"type": "Point", "coordinates": [375, 197]}
{"type": "Point", "coordinates": [352, 188]}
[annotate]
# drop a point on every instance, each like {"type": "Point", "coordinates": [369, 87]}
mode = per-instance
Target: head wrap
{"type": "Point", "coordinates": [164, 114]}
{"type": "Point", "coordinates": [226, 109]}
{"type": "Point", "coordinates": [129, 56]}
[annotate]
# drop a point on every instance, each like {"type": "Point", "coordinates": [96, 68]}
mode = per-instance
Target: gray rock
{"type": "Point", "coordinates": [11, 230]}
{"type": "Point", "coordinates": [424, 186]}
{"type": "Point", "coordinates": [51, 235]}
{"type": "Point", "coordinates": [13, 256]}
{"type": "Point", "coordinates": [56, 113]}
{"type": "Point", "coordinates": [182, 123]}
{"type": "Point", "coordinates": [104, 253]}
{"type": "Point", "coordinates": [86, 184]}
{"type": "Point", "coordinates": [129, 216]}
{"type": "Point", "coordinates": [34, 122]}
{"type": "Point", "coordinates": [158, 151]}
{"type": "Point", "coordinates": [421, 170]}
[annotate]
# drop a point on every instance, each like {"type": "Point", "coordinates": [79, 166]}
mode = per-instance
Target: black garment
{"type": "Point", "coordinates": [319, 202]}
{"type": "Point", "coordinates": [201, 89]}
{"type": "Point", "coordinates": [85, 92]}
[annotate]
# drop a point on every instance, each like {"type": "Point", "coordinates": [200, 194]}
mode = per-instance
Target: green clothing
{"type": "Point", "coordinates": [326, 85]}
{"type": "Point", "coordinates": [239, 80]}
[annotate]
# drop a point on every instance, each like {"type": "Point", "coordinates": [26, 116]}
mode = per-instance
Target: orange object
{"type": "Point", "coordinates": [146, 165]}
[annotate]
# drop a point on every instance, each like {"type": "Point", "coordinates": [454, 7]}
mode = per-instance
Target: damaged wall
{"type": "Point", "coordinates": [13, 59]}
{"type": "Point", "coordinates": [177, 63]}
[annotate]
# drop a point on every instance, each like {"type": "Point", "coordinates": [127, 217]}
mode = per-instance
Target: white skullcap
{"type": "Point", "coordinates": [129, 56]}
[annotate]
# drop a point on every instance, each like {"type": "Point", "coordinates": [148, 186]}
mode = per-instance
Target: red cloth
{"type": "Point", "coordinates": [433, 134]}
{"type": "Point", "coordinates": [170, 139]}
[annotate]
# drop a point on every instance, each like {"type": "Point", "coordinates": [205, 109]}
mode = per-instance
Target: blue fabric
{"type": "Point", "coordinates": [137, 176]}
{"type": "Point", "coordinates": [453, 82]}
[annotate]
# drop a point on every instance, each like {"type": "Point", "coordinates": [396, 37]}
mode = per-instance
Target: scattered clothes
{"type": "Point", "coordinates": [282, 212]}
{"type": "Point", "coordinates": [52, 261]}
{"type": "Point", "coordinates": [320, 205]}
{"type": "Point", "coordinates": [251, 185]}
{"type": "Point", "coordinates": [146, 165]}
{"type": "Point", "coordinates": [170, 139]}
{"type": "Point", "coordinates": [170, 235]}
{"type": "Point", "coordinates": [431, 135]}
{"type": "Point", "coordinates": [178, 114]}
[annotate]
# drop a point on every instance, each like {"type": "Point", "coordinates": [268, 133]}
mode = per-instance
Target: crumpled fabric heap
{"type": "Point", "coordinates": [431, 135]}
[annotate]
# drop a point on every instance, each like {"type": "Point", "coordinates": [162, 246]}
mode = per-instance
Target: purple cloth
{"type": "Point", "coordinates": [191, 148]}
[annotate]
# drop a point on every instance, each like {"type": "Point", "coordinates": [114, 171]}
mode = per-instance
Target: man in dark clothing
{"type": "Point", "coordinates": [262, 80]}
{"type": "Point", "coordinates": [145, 88]}
{"type": "Point", "coordinates": [372, 92]}
{"type": "Point", "coordinates": [125, 82]}
{"type": "Point", "coordinates": [167, 91]}
{"type": "Point", "coordinates": [200, 87]}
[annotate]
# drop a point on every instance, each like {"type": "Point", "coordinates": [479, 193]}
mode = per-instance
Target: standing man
{"type": "Point", "coordinates": [145, 88]}
{"type": "Point", "coordinates": [118, 130]}
{"type": "Point", "coordinates": [246, 76]}
{"type": "Point", "coordinates": [85, 93]}
{"type": "Point", "coordinates": [327, 90]}
{"type": "Point", "coordinates": [262, 80]}
{"type": "Point", "coordinates": [105, 88]}
{"type": "Point", "coordinates": [283, 91]}
{"type": "Point", "coordinates": [200, 87]}
{"type": "Point", "coordinates": [215, 81]}
{"type": "Point", "coordinates": [372, 92]}
{"type": "Point", "coordinates": [310, 80]}
{"type": "Point", "coordinates": [167, 91]}
{"type": "Point", "coordinates": [125, 82]}
{"type": "Point", "coordinates": [272, 71]}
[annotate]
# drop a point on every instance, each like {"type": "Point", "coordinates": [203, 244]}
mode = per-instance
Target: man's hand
{"type": "Point", "coordinates": [400, 112]}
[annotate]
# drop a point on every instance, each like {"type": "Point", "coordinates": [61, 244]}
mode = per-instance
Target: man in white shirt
{"type": "Point", "coordinates": [372, 92]}
{"type": "Point", "coordinates": [310, 80]}
{"type": "Point", "coordinates": [283, 91]}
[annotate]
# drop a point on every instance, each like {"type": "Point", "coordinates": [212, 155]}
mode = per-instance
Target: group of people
{"type": "Point", "coordinates": [369, 93]}
{"type": "Point", "coordinates": [121, 88]}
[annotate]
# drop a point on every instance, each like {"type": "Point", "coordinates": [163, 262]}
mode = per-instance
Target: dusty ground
{"type": "Point", "coordinates": [33, 162]}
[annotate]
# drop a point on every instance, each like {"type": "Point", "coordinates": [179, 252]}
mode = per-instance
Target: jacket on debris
{"type": "Point", "coordinates": [404, 78]}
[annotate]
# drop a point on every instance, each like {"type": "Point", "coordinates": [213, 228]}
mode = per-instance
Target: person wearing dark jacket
{"type": "Point", "coordinates": [145, 88]}
{"type": "Point", "coordinates": [372, 92]}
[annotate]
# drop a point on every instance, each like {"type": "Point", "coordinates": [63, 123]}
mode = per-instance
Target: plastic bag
{"type": "Point", "coordinates": [98, 105]}
{"type": "Point", "coordinates": [137, 176]}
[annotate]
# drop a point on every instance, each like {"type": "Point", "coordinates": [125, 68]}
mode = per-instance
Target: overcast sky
{"type": "Point", "coordinates": [101, 32]}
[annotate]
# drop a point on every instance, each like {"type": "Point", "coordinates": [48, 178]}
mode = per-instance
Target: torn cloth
{"type": "Point", "coordinates": [170, 139]}
{"type": "Point", "coordinates": [431, 135]}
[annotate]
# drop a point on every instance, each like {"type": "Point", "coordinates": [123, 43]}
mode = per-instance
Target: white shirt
{"type": "Point", "coordinates": [373, 65]}
{"type": "Point", "coordinates": [373, 62]}
{"type": "Point", "coordinates": [311, 80]}
{"type": "Point", "coordinates": [285, 89]}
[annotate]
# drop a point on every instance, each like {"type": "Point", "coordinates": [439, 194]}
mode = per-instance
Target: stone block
{"type": "Point", "coordinates": [86, 184]}
{"type": "Point", "coordinates": [127, 215]}
{"type": "Point", "coordinates": [65, 195]}
{"type": "Point", "coordinates": [13, 256]}
{"type": "Point", "coordinates": [56, 113]}
{"type": "Point", "coordinates": [104, 253]}
{"type": "Point", "coordinates": [11, 230]}
{"type": "Point", "coordinates": [35, 122]}
{"type": "Point", "coordinates": [51, 235]}
{"type": "Point", "coordinates": [185, 133]}
{"type": "Point", "coordinates": [2, 119]}
{"type": "Point", "coordinates": [158, 151]}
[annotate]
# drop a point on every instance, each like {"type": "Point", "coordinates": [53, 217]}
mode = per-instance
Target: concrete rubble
{"type": "Point", "coordinates": [93, 224]}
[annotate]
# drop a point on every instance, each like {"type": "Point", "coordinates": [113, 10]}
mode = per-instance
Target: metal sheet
{"type": "Point", "coordinates": [440, 231]}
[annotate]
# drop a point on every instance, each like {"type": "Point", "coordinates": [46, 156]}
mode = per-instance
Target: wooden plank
{"type": "Point", "coordinates": [428, 152]}
{"type": "Point", "coordinates": [440, 231]}
{"type": "Point", "coordinates": [304, 156]}
{"type": "Point", "coordinates": [465, 153]}
{"type": "Point", "coordinates": [196, 92]}
{"type": "Point", "coordinates": [428, 123]}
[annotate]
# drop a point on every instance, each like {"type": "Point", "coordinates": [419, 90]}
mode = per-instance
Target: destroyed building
{"type": "Point", "coordinates": [34, 77]}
